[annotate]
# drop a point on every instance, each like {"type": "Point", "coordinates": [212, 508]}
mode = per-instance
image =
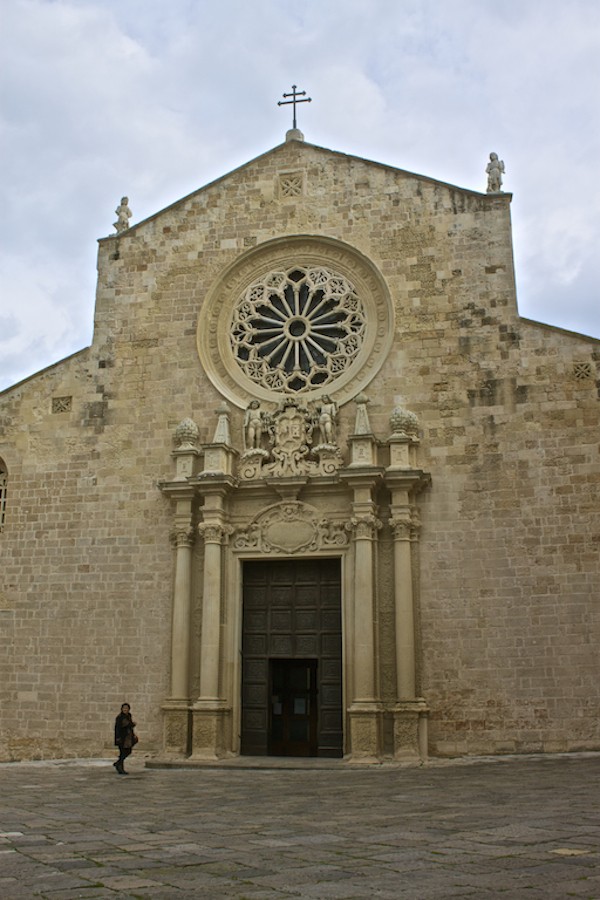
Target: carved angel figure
{"type": "Point", "coordinates": [495, 171]}
{"type": "Point", "coordinates": [253, 425]}
{"type": "Point", "coordinates": [327, 410]}
{"type": "Point", "coordinates": [123, 214]}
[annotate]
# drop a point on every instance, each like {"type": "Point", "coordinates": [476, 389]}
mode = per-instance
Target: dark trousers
{"type": "Point", "coordinates": [124, 752]}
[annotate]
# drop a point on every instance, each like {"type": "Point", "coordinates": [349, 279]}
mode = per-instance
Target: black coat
{"type": "Point", "coordinates": [124, 726]}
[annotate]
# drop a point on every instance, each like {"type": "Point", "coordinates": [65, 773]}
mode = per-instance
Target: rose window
{"type": "Point", "coordinates": [297, 330]}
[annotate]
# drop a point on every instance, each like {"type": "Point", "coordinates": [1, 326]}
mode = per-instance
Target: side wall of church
{"type": "Point", "coordinates": [509, 554]}
{"type": "Point", "coordinates": [508, 546]}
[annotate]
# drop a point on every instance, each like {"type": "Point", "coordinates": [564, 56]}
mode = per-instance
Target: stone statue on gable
{"type": "Point", "coordinates": [495, 171]}
{"type": "Point", "coordinates": [123, 214]}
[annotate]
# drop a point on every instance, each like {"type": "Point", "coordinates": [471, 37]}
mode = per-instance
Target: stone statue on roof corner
{"type": "Point", "coordinates": [495, 171]}
{"type": "Point", "coordinates": [123, 214]}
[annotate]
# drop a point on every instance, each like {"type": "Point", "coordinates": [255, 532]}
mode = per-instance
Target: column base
{"type": "Point", "coordinates": [211, 727]}
{"type": "Point", "coordinates": [177, 728]}
{"type": "Point", "coordinates": [366, 732]}
{"type": "Point", "coordinates": [410, 729]}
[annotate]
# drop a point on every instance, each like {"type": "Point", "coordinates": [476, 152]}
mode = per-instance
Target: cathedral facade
{"type": "Point", "coordinates": [315, 489]}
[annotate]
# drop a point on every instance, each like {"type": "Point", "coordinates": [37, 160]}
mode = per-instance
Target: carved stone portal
{"type": "Point", "coordinates": [290, 450]}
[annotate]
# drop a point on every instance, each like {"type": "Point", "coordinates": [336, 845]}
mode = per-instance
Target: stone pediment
{"type": "Point", "coordinates": [290, 527]}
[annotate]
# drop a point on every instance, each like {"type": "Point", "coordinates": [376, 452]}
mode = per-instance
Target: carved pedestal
{"type": "Point", "coordinates": [176, 729]}
{"type": "Point", "coordinates": [366, 731]}
{"type": "Point", "coordinates": [211, 727]}
{"type": "Point", "coordinates": [410, 730]}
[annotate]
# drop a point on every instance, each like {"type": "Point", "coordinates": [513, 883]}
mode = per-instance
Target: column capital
{"type": "Point", "coordinates": [182, 536]}
{"type": "Point", "coordinates": [214, 532]}
{"type": "Point", "coordinates": [364, 527]}
{"type": "Point", "coordinates": [401, 527]}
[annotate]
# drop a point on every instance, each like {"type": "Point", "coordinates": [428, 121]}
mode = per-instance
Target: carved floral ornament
{"type": "Point", "coordinates": [294, 317]}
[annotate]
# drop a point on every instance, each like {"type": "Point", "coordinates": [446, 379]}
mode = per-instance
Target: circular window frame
{"type": "Point", "coordinates": [215, 319]}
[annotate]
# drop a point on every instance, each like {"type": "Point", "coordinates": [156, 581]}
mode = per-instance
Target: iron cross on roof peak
{"type": "Point", "coordinates": [294, 95]}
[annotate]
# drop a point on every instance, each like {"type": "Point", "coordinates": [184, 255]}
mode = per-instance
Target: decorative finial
{"type": "Point", "coordinates": [403, 422]}
{"type": "Point", "coordinates": [222, 435]}
{"type": "Point", "coordinates": [361, 423]}
{"type": "Point", "coordinates": [186, 435]}
{"type": "Point", "coordinates": [294, 133]}
{"type": "Point", "coordinates": [495, 170]}
{"type": "Point", "coordinates": [123, 214]}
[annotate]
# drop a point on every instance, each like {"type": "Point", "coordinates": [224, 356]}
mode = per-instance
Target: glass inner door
{"type": "Point", "coordinates": [293, 715]}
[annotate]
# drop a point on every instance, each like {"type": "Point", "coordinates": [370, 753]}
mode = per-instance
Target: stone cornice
{"type": "Point", "coordinates": [179, 490]}
{"type": "Point", "coordinates": [413, 480]}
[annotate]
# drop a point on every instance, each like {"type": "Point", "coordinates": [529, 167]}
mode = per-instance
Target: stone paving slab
{"type": "Point", "coordinates": [516, 828]}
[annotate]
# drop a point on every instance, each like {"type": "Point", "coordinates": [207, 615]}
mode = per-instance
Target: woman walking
{"type": "Point", "coordinates": [125, 737]}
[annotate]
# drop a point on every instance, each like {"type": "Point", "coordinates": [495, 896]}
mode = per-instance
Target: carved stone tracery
{"type": "Point", "coordinates": [296, 330]}
{"type": "Point", "coordinates": [297, 315]}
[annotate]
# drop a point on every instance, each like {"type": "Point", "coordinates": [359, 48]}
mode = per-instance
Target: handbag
{"type": "Point", "coordinates": [134, 740]}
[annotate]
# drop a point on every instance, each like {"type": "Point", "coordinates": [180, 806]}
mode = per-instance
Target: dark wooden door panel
{"type": "Point", "coordinates": [292, 614]}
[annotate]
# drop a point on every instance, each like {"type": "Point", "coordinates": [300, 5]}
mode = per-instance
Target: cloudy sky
{"type": "Point", "coordinates": [155, 98]}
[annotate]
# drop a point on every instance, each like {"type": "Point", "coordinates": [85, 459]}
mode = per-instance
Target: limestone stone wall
{"type": "Point", "coordinates": [507, 612]}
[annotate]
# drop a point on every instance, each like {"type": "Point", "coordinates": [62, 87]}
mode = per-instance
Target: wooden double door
{"type": "Point", "coordinates": [292, 658]}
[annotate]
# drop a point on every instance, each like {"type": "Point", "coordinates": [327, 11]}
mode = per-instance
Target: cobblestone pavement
{"type": "Point", "coordinates": [509, 828]}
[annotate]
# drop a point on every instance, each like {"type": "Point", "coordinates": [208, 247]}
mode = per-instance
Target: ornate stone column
{"type": "Point", "coordinates": [210, 714]}
{"type": "Point", "coordinates": [180, 644]}
{"type": "Point", "coordinates": [176, 707]}
{"type": "Point", "coordinates": [365, 711]}
{"type": "Point", "coordinates": [404, 481]}
{"type": "Point", "coordinates": [409, 712]}
{"type": "Point", "coordinates": [213, 535]}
